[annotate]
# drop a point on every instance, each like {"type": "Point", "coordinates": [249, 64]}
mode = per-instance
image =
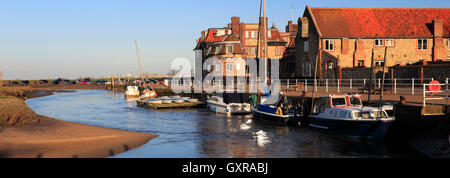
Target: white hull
{"type": "Point", "coordinates": [228, 109]}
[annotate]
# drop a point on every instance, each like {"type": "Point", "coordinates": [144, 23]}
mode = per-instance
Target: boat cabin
{"type": "Point", "coordinates": [345, 107]}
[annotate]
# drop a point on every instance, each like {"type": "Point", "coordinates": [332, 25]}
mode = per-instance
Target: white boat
{"type": "Point", "coordinates": [229, 103]}
{"type": "Point", "coordinates": [345, 115]}
{"type": "Point", "coordinates": [132, 91]}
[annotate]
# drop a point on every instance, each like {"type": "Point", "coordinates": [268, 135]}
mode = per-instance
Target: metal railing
{"type": "Point", "coordinates": [435, 95]}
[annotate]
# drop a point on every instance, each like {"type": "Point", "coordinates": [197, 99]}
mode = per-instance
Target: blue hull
{"type": "Point", "coordinates": [356, 129]}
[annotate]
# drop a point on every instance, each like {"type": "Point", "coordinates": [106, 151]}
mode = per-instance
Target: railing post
{"type": "Point", "coordinates": [351, 81]}
{"type": "Point", "coordinates": [424, 94]}
{"type": "Point", "coordinates": [339, 85]}
{"type": "Point", "coordinates": [412, 86]}
{"type": "Point", "coordinates": [287, 84]}
{"type": "Point", "coordinates": [395, 85]}
{"type": "Point", "coordinates": [446, 90]}
{"type": "Point", "coordinates": [364, 82]}
{"type": "Point", "coordinates": [306, 85]}
{"type": "Point", "coordinates": [326, 84]}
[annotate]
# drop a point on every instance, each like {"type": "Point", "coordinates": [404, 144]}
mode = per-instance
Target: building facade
{"type": "Point", "coordinates": [345, 37]}
{"type": "Point", "coordinates": [238, 41]}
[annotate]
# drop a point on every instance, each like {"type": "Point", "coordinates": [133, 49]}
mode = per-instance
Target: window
{"type": "Point", "coordinates": [278, 51]}
{"type": "Point", "coordinates": [254, 51]}
{"type": "Point", "coordinates": [269, 34]}
{"type": "Point", "coordinates": [264, 51]}
{"type": "Point", "coordinates": [254, 34]}
{"type": "Point", "coordinates": [422, 44]}
{"type": "Point", "coordinates": [307, 68]}
{"type": "Point", "coordinates": [247, 34]}
{"type": "Point", "coordinates": [379, 63]}
{"type": "Point", "coordinates": [209, 50]}
{"type": "Point", "coordinates": [230, 49]}
{"type": "Point", "coordinates": [238, 66]}
{"type": "Point", "coordinates": [379, 42]}
{"type": "Point", "coordinates": [361, 63]}
{"type": "Point", "coordinates": [342, 114]}
{"type": "Point", "coordinates": [217, 50]}
{"type": "Point", "coordinates": [329, 45]}
{"type": "Point", "coordinates": [398, 63]}
{"type": "Point", "coordinates": [390, 42]}
{"type": "Point", "coordinates": [306, 45]}
{"type": "Point", "coordinates": [229, 67]}
{"type": "Point", "coordinates": [338, 102]}
{"type": "Point", "coordinates": [330, 65]}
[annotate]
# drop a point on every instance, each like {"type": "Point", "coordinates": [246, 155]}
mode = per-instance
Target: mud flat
{"type": "Point", "coordinates": [25, 134]}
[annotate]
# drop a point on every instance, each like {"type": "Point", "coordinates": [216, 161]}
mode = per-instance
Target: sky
{"type": "Point", "coordinates": [48, 39]}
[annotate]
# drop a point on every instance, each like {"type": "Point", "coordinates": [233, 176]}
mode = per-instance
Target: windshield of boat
{"type": "Point", "coordinates": [355, 101]}
{"type": "Point", "coordinates": [380, 114]}
{"type": "Point", "coordinates": [338, 102]}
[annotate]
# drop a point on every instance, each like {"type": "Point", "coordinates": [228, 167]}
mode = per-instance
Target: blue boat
{"type": "Point", "coordinates": [345, 115]}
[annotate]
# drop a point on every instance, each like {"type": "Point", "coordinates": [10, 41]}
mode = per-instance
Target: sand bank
{"type": "Point", "coordinates": [31, 135]}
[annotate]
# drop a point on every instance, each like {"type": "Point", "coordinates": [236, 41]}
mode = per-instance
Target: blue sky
{"type": "Point", "coordinates": [94, 38]}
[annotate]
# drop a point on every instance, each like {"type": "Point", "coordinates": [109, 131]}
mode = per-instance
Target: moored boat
{"type": "Point", "coordinates": [281, 111]}
{"type": "Point", "coordinates": [170, 102]}
{"type": "Point", "coordinates": [345, 115]}
{"type": "Point", "coordinates": [132, 91]}
{"type": "Point", "coordinates": [229, 103]}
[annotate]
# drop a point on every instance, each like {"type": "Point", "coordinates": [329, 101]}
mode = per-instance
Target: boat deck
{"type": "Point", "coordinates": [171, 105]}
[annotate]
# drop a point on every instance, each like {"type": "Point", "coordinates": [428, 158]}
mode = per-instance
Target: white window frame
{"type": "Point", "coordinates": [363, 63]}
{"type": "Point", "coordinates": [247, 34]}
{"type": "Point", "coordinates": [330, 45]}
{"type": "Point", "coordinates": [229, 49]}
{"type": "Point", "coordinates": [229, 67]}
{"type": "Point", "coordinates": [217, 50]}
{"type": "Point", "coordinates": [379, 41]}
{"type": "Point", "coordinates": [330, 65]}
{"type": "Point", "coordinates": [269, 34]}
{"type": "Point", "coordinates": [391, 42]}
{"type": "Point", "coordinates": [421, 45]}
{"type": "Point", "coordinates": [380, 62]}
{"type": "Point", "coordinates": [254, 51]}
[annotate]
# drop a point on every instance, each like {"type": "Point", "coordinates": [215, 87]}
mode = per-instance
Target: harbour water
{"type": "Point", "coordinates": [200, 133]}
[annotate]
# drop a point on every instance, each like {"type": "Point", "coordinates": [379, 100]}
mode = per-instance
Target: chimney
{"type": "Point", "coordinates": [438, 47]}
{"type": "Point", "coordinates": [203, 34]}
{"type": "Point", "coordinates": [303, 26]}
{"type": "Point", "coordinates": [437, 28]}
{"type": "Point", "coordinates": [289, 27]}
{"type": "Point", "coordinates": [235, 21]}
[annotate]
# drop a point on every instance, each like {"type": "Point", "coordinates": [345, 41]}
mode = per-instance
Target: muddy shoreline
{"type": "Point", "coordinates": [29, 135]}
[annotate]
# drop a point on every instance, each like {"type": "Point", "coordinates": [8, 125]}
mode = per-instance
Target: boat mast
{"type": "Point", "coordinates": [265, 42]}
{"type": "Point", "coordinates": [139, 59]}
{"type": "Point", "coordinates": [382, 85]}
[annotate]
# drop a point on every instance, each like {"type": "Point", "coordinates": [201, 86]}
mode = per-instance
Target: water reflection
{"type": "Point", "coordinates": [198, 133]}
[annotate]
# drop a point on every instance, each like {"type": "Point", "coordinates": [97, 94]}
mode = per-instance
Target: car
{"type": "Point", "coordinates": [25, 82]}
{"type": "Point", "coordinates": [14, 83]}
{"type": "Point", "coordinates": [43, 81]}
{"type": "Point", "coordinates": [55, 82]}
{"type": "Point", "coordinates": [71, 82]}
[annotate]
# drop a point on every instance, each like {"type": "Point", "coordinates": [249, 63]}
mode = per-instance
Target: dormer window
{"type": "Point", "coordinates": [230, 49]}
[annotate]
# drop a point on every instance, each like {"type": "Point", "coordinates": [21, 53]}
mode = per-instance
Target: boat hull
{"type": "Point", "coordinates": [261, 115]}
{"type": "Point", "coordinates": [222, 108]}
{"type": "Point", "coordinates": [352, 128]}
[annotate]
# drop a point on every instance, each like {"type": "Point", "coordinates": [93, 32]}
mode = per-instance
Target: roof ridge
{"type": "Point", "coordinates": [404, 8]}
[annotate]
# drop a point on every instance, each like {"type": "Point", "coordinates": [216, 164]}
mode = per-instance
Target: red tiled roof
{"type": "Point", "coordinates": [379, 22]}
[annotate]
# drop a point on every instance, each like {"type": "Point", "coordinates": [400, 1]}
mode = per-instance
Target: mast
{"type": "Point", "coordinates": [139, 59]}
{"type": "Point", "coordinates": [382, 85]}
{"type": "Point", "coordinates": [265, 41]}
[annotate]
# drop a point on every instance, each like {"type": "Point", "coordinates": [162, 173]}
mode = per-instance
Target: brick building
{"type": "Point", "coordinates": [238, 41]}
{"type": "Point", "coordinates": [345, 37]}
